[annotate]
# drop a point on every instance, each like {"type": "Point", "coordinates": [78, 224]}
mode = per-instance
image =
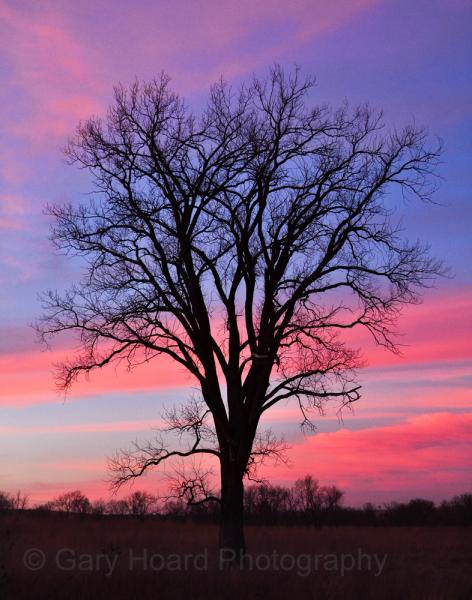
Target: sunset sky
{"type": "Point", "coordinates": [411, 433]}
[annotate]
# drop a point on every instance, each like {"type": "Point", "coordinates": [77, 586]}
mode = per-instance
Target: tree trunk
{"type": "Point", "coordinates": [232, 541]}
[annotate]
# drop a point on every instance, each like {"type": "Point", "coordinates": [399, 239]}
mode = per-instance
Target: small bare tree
{"type": "Point", "coordinates": [331, 497]}
{"type": "Point", "coordinates": [18, 501]}
{"type": "Point", "coordinates": [142, 503]}
{"type": "Point", "coordinates": [72, 502]}
{"type": "Point", "coordinates": [241, 243]}
{"type": "Point", "coordinates": [306, 495]}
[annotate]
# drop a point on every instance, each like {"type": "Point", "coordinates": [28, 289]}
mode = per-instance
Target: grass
{"type": "Point", "coordinates": [421, 563]}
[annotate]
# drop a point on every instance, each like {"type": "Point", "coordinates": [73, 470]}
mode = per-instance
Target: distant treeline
{"type": "Point", "coordinates": [304, 503]}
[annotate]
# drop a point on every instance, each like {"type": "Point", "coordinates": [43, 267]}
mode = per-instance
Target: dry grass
{"type": "Point", "coordinates": [422, 563]}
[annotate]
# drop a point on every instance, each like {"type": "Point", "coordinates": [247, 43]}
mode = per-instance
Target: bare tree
{"type": "Point", "coordinates": [142, 503]}
{"type": "Point", "coordinates": [306, 495]}
{"type": "Point", "coordinates": [241, 243]}
{"type": "Point", "coordinates": [117, 507]}
{"type": "Point", "coordinates": [98, 507]}
{"type": "Point", "coordinates": [72, 502]}
{"type": "Point", "coordinates": [267, 502]}
{"type": "Point", "coordinates": [18, 501]}
{"type": "Point", "coordinates": [331, 497]}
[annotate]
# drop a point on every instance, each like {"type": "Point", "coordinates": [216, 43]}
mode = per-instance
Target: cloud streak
{"type": "Point", "coordinates": [440, 330]}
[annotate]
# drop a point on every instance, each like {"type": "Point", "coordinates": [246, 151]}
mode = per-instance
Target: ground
{"type": "Point", "coordinates": [52, 556]}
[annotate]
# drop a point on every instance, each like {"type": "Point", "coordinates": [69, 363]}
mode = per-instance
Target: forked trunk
{"type": "Point", "coordinates": [232, 542]}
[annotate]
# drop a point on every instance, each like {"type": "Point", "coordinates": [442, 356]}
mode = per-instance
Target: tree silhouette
{"type": "Point", "coordinates": [72, 502]}
{"type": "Point", "coordinates": [242, 243]}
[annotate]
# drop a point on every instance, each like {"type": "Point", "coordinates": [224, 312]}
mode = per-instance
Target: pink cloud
{"type": "Point", "coordinates": [65, 66]}
{"type": "Point", "coordinates": [43, 491]}
{"type": "Point", "coordinates": [438, 332]}
{"type": "Point", "coordinates": [427, 454]}
{"type": "Point", "coordinates": [39, 385]}
{"type": "Point", "coordinates": [438, 329]}
{"type": "Point", "coordinates": [51, 68]}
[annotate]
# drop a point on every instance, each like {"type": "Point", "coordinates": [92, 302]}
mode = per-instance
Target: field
{"type": "Point", "coordinates": [123, 558]}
